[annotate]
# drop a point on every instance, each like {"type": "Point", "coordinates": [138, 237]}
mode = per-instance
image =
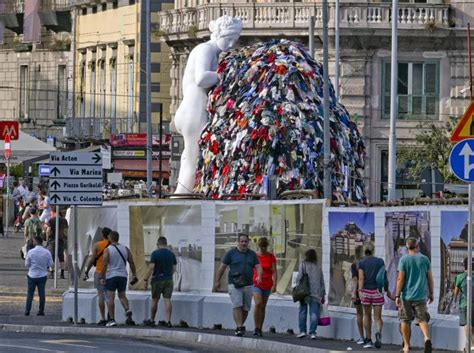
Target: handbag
{"type": "Point", "coordinates": [301, 291]}
{"type": "Point", "coordinates": [238, 278]}
{"type": "Point", "coordinates": [324, 318]}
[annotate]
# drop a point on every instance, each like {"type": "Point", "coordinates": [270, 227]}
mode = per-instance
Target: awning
{"type": "Point", "coordinates": [136, 168]}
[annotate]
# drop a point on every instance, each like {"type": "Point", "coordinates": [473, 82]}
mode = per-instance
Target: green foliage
{"type": "Point", "coordinates": [432, 147]}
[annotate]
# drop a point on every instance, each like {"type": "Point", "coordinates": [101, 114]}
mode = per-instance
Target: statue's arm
{"type": "Point", "coordinates": [204, 76]}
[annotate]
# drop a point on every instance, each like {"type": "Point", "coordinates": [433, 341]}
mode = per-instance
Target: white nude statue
{"type": "Point", "coordinates": [199, 76]}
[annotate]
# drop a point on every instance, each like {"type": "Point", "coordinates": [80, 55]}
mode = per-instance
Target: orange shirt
{"type": "Point", "coordinates": [101, 245]}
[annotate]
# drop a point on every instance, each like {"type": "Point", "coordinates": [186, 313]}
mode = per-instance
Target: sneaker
{"type": "Point", "coordinates": [40, 313]}
{"type": "Point", "coordinates": [361, 340]}
{"type": "Point", "coordinates": [378, 340]}
{"type": "Point", "coordinates": [258, 332]}
{"type": "Point", "coordinates": [368, 344]}
{"type": "Point", "coordinates": [129, 320]}
{"type": "Point", "coordinates": [111, 323]}
{"type": "Point", "coordinates": [238, 332]}
{"type": "Point", "coordinates": [149, 322]}
{"type": "Point", "coordinates": [27, 313]}
{"type": "Point", "coordinates": [428, 347]}
{"type": "Point", "coordinates": [313, 336]}
{"type": "Point", "coordinates": [102, 322]}
{"type": "Point", "coordinates": [169, 324]}
{"type": "Point", "coordinates": [301, 335]}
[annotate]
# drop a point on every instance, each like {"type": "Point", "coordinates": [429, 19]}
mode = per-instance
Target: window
{"type": "Point", "coordinates": [84, 11]}
{"type": "Point", "coordinates": [94, 9]}
{"type": "Point", "coordinates": [113, 91]}
{"type": "Point", "coordinates": [102, 89]}
{"type": "Point", "coordinates": [82, 90]}
{"type": "Point", "coordinates": [62, 93]}
{"type": "Point", "coordinates": [130, 92]}
{"type": "Point", "coordinates": [115, 5]}
{"type": "Point", "coordinates": [131, 2]}
{"type": "Point", "coordinates": [92, 90]}
{"type": "Point", "coordinates": [24, 91]}
{"type": "Point", "coordinates": [104, 7]}
{"type": "Point", "coordinates": [418, 90]}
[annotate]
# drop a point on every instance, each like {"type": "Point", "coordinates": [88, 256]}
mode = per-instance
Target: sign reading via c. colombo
{"type": "Point", "coordinates": [75, 178]}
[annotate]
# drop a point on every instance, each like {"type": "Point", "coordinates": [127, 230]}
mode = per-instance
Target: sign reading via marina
{"type": "Point", "coordinates": [75, 178]}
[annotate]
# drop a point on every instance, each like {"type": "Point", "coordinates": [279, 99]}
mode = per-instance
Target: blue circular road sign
{"type": "Point", "coordinates": [461, 160]}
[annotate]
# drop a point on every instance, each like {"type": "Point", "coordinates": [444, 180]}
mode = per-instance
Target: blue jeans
{"type": "Point", "coordinates": [32, 284]}
{"type": "Point", "coordinates": [314, 311]}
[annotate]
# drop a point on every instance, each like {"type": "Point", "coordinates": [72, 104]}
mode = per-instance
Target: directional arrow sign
{"type": "Point", "coordinates": [75, 185]}
{"type": "Point", "coordinates": [59, 198]}
{"type": "Point", "coordinates": [75, 158]}
{"type": "Point", "coordinates": [461, 160]}
{"type": "Point", "coordinates": [79, 172]}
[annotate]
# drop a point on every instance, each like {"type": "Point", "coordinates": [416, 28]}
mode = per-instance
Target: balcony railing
{"type": "Point", "coordinates": [94, 128]}
{"type": "Point", "coordinates": [18, 6]}
{"type": "Point", "coordinates": [296, 16]}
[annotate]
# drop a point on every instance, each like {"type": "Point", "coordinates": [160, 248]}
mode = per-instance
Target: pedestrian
{"type": "Point", "coordinates": [359, 251]}
{"type": "Point", "coordinates": [114, 276]}
{"type": "Point", "coordinates": [414, 278]}
{"type": "Point", "coordinates": [262, 290]}
{"type": "Point", "coordinates": [30, 203]}
{"type": "Point", "coordinates": [241, 262]}
{"type": "Point", "coordinates": [162, 265]}
{"type": "Point", "coordinates": [96, 259]}
{"type": "Point", "coordinates": [460, 289]}
{"type": "Point", "coordinates": [317, 295]}
{"type": "Point", "coordinates": [37, 261]}
{"type": "Point", "coordinates": [45, 206]}
{"type": "Point", "coordinates": [62, 237]}
{"type": "Point", "coordinates": [32, 229]}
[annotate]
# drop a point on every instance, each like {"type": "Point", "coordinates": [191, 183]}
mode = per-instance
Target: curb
{"type": "Point", "coordinates": [180, 336]}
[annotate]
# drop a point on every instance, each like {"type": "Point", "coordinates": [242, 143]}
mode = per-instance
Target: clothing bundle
{"type": "Point", "coordinates": [266, 120]}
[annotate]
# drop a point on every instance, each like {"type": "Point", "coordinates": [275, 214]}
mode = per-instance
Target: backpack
{"type": "Point", "coordinates": [34, 228]}
{"type": "Point", "coordinates": [464, 288]}
{"type": "Point", "coordinates": [381, 279]}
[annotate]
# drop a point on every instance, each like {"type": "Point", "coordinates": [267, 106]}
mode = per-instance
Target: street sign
{"type": "Point", "coordinates": [43, 170]}
{"type": "Point", "coordinates": [11, 128]}
{"type": "Point", "coordinates": [465, 127]}
{"type": "Point", "coordinates": [75, 178]}
{"type": "Point", "coordinates": [461, 160]}
{"type": "Point", "coordinates": [7, 146]}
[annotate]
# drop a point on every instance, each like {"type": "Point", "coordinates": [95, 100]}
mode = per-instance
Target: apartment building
{"type": "Point", "coordinates": [432, 67]}
{"type": "Point", "coordinates": [35, 65]}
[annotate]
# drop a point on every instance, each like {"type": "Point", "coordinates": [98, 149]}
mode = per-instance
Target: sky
{"type": "Point", "coordinates": [452, 222]}
{"type": "Point", "coordinates": [364, 220]}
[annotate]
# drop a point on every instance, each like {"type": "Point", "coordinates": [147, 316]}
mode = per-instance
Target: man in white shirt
{"type": "Point", "coordinates": [38, 260]}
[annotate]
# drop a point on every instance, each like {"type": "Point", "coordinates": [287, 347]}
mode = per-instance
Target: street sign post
{"type": "Point", "coordinates": [7, 158]}
{"type": "Point", "coordinates": [75, 179]}
{"type": "Point", "coordinates": [461, 160]}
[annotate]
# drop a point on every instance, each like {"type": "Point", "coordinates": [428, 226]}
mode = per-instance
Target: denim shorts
{"type": "Point", "coordinates": [116, 284]}
{"type": "Point", "coordinates": [262, 292]}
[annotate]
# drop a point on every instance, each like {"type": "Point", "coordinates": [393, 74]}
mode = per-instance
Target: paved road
{"type": "Point", "coordinates": [39, 342]}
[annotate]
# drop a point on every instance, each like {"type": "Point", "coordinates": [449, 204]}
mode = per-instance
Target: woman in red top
{"type": "Point", "coordinates": [262, 290]}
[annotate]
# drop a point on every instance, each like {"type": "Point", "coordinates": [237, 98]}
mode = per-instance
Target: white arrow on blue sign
{"type": "Point", "coordinates": [461, 160]}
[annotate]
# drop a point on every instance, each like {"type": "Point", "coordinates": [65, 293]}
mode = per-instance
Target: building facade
{"type": "Point", "coordinates": [432, 60]}
{"type": "Point", "coordinates": [35, 65]}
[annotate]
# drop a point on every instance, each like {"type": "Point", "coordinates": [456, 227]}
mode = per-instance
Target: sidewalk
{"type": "Point", "coordinates": [12, 304]}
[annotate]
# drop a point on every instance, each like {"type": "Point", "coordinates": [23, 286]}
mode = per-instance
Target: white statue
{"type": "Point", "coordinates": [199, 76]}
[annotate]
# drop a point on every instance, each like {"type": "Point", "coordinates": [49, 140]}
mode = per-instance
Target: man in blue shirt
{"type": "Point", "coordinates": [163, 266]}
{"type": "Point", "coordinates": [414, 288]}
{"type": "Point", "coordinates": [241, 261]}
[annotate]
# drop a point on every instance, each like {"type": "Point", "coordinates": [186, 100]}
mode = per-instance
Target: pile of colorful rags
{"type": "Point", "coordinates": [266, 119]}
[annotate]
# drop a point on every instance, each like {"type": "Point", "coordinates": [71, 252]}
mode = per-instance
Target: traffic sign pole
{"type": "Point", "coordinates": [7, 203]}
{"type": "Point", "coordinates": [469, 274]}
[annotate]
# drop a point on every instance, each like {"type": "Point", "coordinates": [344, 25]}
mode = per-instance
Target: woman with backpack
{"type": "Point", "coordinates": [460, 289]}
{"type": "Point", "coordinates": [317, 291]}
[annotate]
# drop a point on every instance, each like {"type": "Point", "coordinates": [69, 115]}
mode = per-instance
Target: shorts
{"type": "Point", "coordinates": [116, 284]}
{"type": "Point", "coordinates": [50, 246]}
{"type": "Point", "coordinates": [164, 288]}
{"type": "Point", "coordinates": [463, 317]}
{"type": "Point", "coordinates": [241, 297]}
{"type": "Point", "coordinates": [371, 297]}
{"type": "Point", "coordinates": [100, 287]}
{"type": "Point", "coordinates": [414, 310]}
{"type": "Point", "coordinates": [262, 292]}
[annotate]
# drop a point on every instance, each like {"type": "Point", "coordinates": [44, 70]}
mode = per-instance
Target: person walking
{"type": "Point", "coordinates": [37, 261]}
{"type": "Point", "coordinates": [317, 295]}
{"type": "Point", "coordinates": [162, 266]}
{"type": "Point", "coordinates": [370, 297]}
{"type": "Point", "coordinates": [460, 290]}
{"type": "Point", "coordinates": [241, 262]}
{"type": "Point", "coordinates": [414, 288]}
{"type": "Point", "coordinates": [114, 276]}
{"type": "Point", "coordinates": [96, 259]}
{"type": "Point", "coordinates": [32, 229]}
{"type": "Point", "coordinates": [355, 294]}
{"type": "Point", "coordinates": [62, 237]}
{"type": "Point", "coordinates": [262, 290]}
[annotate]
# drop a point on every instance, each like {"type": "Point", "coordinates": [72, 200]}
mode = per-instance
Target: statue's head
{"type": "Point", "coordinates": [225, 31]}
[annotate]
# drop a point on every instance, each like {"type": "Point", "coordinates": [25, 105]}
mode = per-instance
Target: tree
{"type": "Point", "coordinates": [432, 147]}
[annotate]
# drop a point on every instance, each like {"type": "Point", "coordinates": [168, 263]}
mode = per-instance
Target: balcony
{"type": "Point", "coordinates": [95, 128]}
{"type": "Point", "coordinates": [294, 17]}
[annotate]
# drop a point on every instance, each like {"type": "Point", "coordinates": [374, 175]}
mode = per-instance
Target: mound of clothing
{"type": "Point", "coordinates": [266, 120]}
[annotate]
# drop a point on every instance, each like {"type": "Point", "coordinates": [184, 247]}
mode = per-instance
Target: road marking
{"type": "Point", "coordinates": [67, 342]}
{"type": "Point", "coordinates": [28, 347]}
